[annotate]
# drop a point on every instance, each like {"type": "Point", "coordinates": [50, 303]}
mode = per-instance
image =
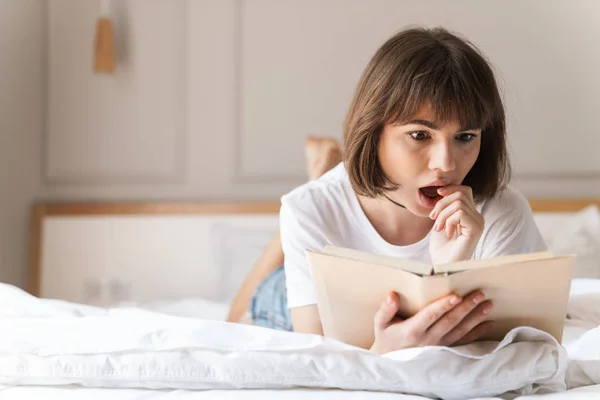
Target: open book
{"type": "Point", "coordinates": [527, 290]}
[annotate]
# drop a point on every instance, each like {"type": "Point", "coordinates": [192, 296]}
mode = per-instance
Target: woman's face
{"type": "Point", "coordinates": [422, 155]}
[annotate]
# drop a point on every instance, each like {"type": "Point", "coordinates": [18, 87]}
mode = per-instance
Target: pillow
{"type": "Point", "coordinates": [237, 246]}
{"type": "Point", "coordinates": [580, 235]}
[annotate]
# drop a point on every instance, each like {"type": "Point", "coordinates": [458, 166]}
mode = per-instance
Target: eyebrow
{"type": "Point", "coordinates": [433, 125]}
{"type": "Point", "coordinates": [426, 123]}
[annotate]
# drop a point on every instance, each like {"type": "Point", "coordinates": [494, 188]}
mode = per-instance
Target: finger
{"type": "Point", "coordinates": [386, 313]}
{"type": "Point", "coordinates": [446, 212]}
{"type": "Point", "coordinates": [453, 223]}
{"type": "Point", "coordinates": [473, 319]}
{"type": "Point", "coordinates": [465, 222]}
{"type": "Point", "coordinates": [460, 223]}
{"type": "Point", "coordinates": [450, 189]}
{"type": "Point", "coordinates": [448, 200]}
{"type": "Point", "coordinates": [430, 314]}
{"type": "Point", "coordinates": [455, 317]}
{"type": "Point", "coordinates": [459, 214]}
{"type": "Point", "coordinates": [445, 202]}
{"type": "Point", "coordinates": [475, 333]}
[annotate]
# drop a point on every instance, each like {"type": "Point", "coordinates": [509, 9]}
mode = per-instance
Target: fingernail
{"type": "Point", "coordinates": [454, 300]}
{"type": "Point", "coordinates": [389, 299]}
{"type": "Point", "coordinates": [479, 298]}
{"type": "Point", "coordinates": [432, 215]}
{"type": "Point", "coordinates": [487, 308]}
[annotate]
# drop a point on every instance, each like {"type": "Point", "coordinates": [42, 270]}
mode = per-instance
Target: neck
{"type": "Point", "coordinates": [394, 222]}
{"type": "Point", "coordinates": [396, 203]}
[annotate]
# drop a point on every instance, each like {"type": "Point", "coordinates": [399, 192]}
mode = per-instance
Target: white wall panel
{"type": "Point", "coordinates": [129, 126]}
{"type": "Point", "coordinates": [21, 123]}
{"type": "Point", "coordinates": [300, 60]}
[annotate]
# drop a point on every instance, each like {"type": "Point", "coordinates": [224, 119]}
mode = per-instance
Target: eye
{"type": "Point", "coordinates": [466, 137]}
{"type": "Point", "coordinates": [419, 135]}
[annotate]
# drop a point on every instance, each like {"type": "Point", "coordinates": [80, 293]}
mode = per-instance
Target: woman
{"type": "Point", "coordinates": [424, 177]}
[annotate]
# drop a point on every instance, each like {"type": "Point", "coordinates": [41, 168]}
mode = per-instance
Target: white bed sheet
{"type": "Point", "coordinates": [78, 393]}
{"type": "Point", "coordinates": [198, 308]}
{"type": "Point", "coordinates": [191, 307]}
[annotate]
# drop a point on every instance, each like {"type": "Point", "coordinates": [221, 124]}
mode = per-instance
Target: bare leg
{"type": "Point", "coordinates": [322, 154]}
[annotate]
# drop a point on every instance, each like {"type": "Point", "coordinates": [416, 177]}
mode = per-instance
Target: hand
{"type": "Point", "coordinates": [445, 322]}
{"type": "Point", "coordinates": [458, 225]}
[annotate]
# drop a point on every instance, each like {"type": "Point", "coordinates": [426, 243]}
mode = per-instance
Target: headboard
{"type": "Point", "coordinates": [107, 253]}
{"type": "Point", "coordinates": [561, 205]}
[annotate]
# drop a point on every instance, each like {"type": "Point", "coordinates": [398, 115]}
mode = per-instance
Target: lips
{"type": "Point", "coordinates": [428, 195]}
{"type": "Point", "coordinates": [438, 182]}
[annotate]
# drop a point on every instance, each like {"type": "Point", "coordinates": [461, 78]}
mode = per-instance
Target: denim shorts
{"type": "Point", "coordinates": [269, 303]}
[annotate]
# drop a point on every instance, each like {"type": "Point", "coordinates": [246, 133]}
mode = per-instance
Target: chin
{"type": "Point", "coordinates": [423, 206]}
{"type": "Point", "coordinates": [419, 210]}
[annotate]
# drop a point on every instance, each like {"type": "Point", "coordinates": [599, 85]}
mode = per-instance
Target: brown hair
{"type": "Point", "coordinates": [418, 67]}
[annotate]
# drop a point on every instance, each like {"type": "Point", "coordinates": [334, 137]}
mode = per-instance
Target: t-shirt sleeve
{"type": "Point", "coordinates": [299, 232]}
{"type": "Point", "coordinates": [509, 227]}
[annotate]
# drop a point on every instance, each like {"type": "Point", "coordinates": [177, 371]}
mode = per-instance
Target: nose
{"type": "Point", "coordinates": [442, 157]}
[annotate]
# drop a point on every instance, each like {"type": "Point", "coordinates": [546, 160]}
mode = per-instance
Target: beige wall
{"type": "Point", "coordinates": [213, 98]}
{"type": "Point", "coordinates": [21, 123]}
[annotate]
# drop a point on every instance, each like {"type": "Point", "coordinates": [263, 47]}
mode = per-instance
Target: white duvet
{"type": "Point", "coordinates": [54, 343]}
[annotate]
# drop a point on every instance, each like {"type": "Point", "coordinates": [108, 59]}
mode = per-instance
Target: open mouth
{"type": "Point", "coordinates": [429, 196]}
{"type": "Point", "coordinates": [430, 191]}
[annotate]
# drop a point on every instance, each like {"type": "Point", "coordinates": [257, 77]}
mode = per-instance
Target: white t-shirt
{"type": "Point", "coordinates": [326, 212]}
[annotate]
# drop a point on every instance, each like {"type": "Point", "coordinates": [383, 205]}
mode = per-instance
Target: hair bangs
{"type": "Point", "coordinates": [448, 93]}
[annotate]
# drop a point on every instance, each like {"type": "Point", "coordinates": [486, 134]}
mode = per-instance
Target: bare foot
{"type": "Point", "coordinates": [322, 154]}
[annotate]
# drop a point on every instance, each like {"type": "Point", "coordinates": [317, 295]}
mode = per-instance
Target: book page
{"type": "Point", "coordinates": [490, 262]}
{"type": "Point", "coordinates": [414, 267]}
{"type": "Point", "coordinates": [350, 292]}
{"type": "Point", "coordinates": [531, 293]}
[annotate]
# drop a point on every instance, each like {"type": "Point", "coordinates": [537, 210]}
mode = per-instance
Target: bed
{"type": "Point", "coordinates": [129, 299]}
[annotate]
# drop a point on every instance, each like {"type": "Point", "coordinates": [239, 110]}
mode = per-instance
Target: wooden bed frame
{"type": "Point", "coordinates": [44, 210]}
